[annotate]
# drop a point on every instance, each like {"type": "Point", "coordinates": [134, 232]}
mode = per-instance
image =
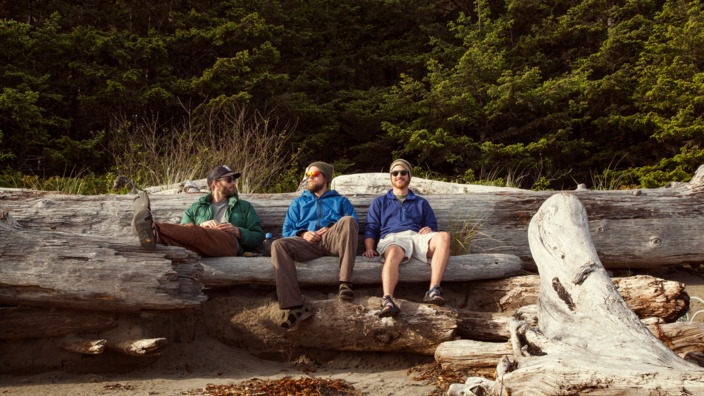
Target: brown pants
{"type": "Point", "coordinates": [340, 240]}
{"type": "Point", "coordinates": [207, 242]}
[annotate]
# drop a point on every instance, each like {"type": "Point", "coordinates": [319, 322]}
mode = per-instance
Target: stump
{"type": "Point", "coordinates": [588, 340]}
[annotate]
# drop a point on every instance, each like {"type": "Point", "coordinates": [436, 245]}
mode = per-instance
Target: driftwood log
{"type": "Point", "coordinates": [73, 258]}
{"type": "Point", "coordinates": [98, 273]}
{"type": "Point", "coordinates": [230, 271]}
{"type": "Point", "coordinates": [335, 325]}
{"type": "Point", "coordinates": [631, 228]}
{"type": "Point", "coordinates": [647, 296]}
{"type": "Point", "coordinates": [588, 340]}
{"type": "Point", "coordinates": [482, 357]}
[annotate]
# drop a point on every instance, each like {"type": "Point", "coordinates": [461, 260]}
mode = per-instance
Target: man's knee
{"type": "Point", "coordinates": [394, 254]}
{"type": "Point", "coordinates": [349, 221]}
{"type": "Point", "coordinates": [277, 247]}
{"type": "Point", "coordinates": [442, 238]}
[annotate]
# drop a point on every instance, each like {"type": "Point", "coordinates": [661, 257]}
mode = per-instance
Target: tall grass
{"type": "Point", "coordinates": [152, 153]}
{"type": "Point", "coordinates": [79, 182]}
{"type": "Point", "coordinates": [465, 230]}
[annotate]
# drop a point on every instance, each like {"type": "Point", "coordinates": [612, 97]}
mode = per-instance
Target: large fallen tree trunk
{"type": "Point", "coordinates": [631, 228]}
{"type": "Point", "coordinates": [588, 340]}
{"type": "Point", "coordinates": [97, 273]}
{"type": "Point", "coordinates": [336, 325]}
{"type": "Point", "coordinates": [229, 271]}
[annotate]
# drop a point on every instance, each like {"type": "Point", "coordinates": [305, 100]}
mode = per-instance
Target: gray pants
{"type": "Point", "coordinates": [340, 240]}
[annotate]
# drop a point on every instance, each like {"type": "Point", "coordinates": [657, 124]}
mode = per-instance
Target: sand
{"type": "Point", "coordinates": [186, 368]}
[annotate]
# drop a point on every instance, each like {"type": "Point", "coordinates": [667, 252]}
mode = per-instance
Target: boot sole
{"type": "Point", "coordinates": [143, 225]}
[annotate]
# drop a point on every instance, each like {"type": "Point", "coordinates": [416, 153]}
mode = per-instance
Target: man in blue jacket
{"type": "Point", "coordinates": [405, 226]}
{"type": "Point", "coordinates": [219, 224]}
{"type": "Point", "coordinates": [319, 223]}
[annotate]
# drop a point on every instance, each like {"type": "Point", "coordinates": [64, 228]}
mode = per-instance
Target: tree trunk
{"type": "Point", "coordinates": [28, 322]}
{"type": "Point", "coordinates": [230, 271]}
{"type": "Point", "coordinates": [97, 273]}
{"type": "Point", "coordinates": [588, 340]}
{"type": "Point", "coordinates": [645, 228]}
{"type": "Point", "coordinates": [335, 325]}
{"type": "Point", "coordinates": [646, 295]}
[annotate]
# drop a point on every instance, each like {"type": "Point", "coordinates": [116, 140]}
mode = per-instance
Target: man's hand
{"type": "Point", "coordinates": [322, 231]}
{"type": "Point", "coordinates": [229, 228]}
{"type": "Point", "coordinates": [370, 253]}
{"type": "Point", "coordinates": [209, 224]}
{"type": "Point", "coordinates": [425, 230]}
{"type": "Point", "coordinates": [310, 236]}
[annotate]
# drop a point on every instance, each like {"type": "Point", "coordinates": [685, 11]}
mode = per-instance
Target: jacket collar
{"type": "Point", "coordinates": [390, 194]}
{"type": "Point", "coordinates": [208, 199]}
{"type": "Point", "coordinates": [329, 193]}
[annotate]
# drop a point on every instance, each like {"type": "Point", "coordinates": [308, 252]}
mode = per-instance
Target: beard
{"type": "Point", "coordinates": [314, 186]}
{"type": "Point", "coordinates": [400, 183]}
{"type": "Point", "coordinates": [226, 189]}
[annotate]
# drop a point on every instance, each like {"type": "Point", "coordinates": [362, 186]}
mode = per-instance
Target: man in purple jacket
{"type": "Point", "coordinates": [405, 226]}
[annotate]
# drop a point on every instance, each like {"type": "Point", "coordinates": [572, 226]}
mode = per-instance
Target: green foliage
{"type": "Point", "coordinates": [529, 93]}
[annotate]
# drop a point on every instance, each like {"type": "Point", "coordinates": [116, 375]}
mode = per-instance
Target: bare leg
{"type": "Point", "coordinates": [389, 274]}
{"type": "Point", "coordinates": [439, 250]}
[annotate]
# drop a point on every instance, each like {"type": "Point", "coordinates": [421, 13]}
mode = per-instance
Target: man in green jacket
{"type": "Point", "coordinates": [219, 224]}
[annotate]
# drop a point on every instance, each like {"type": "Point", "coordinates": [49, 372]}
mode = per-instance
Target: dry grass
{"type": "Point", "coordinates": [152, 153]}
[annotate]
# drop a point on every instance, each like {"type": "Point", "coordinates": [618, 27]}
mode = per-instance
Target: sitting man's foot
{"type": "Point", "coordinates": [434, 296]}
{"type": "Point", "coordinates": [388, 307]}
{"type": "Point", "coordinates": [294, 316]}
{"type": "Point", "coordinates": [142, 221]}
{"type": "Point", "coordinates": [345, 291]}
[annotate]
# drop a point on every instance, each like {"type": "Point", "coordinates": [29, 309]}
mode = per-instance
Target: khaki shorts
{"type": "Point", "coordinates": [412, 243]}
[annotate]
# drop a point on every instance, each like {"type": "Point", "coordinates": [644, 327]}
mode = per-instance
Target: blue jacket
{"type": "Point", "coordinates": [310, 213]}
{"type": "Point", "coordinates": [387, 215]}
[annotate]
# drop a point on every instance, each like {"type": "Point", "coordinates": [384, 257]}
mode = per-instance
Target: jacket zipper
{"type": "Point", "coordinates": [320, 213]}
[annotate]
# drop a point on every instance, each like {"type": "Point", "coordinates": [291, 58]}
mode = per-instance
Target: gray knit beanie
{"type": "Point", "coordinates": [325, 169]}
{"type": "Point", "coordinates": [404, 164]}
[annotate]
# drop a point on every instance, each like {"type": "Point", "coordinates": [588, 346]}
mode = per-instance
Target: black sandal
{"type": "Point", "coordinates": [434, 296]}
{"type": "Point", "coordinates": [294, 317]}
{"type": "Point", "coordinates": [388, 307]}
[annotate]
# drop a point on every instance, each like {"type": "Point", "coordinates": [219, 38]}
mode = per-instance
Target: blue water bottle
{"type": "Point", "coordinates": [266, 245]}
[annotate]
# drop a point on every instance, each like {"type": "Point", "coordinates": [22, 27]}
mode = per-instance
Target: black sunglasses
{"type": "Point", "coordinates": [402, 172]}
{"type": "Point", "coordinates": [229, 179]}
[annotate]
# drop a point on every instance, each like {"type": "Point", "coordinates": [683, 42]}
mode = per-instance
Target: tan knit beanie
{"type": "Point", "coordinates": [404, 164]}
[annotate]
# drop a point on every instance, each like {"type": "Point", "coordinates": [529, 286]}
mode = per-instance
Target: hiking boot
{"type": "Point", "coordinates": [142, 221]}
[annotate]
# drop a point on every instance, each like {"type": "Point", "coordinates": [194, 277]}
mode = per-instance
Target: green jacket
{"type": "Point", "coordinates": [240, 213]}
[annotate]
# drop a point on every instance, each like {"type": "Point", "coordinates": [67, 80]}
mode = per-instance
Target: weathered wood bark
{"type": "Point", "coordinates": [646, 295]}
{"type": "Point", "coordinates": [27, 322]}
{"type": "Point", "coordinates": [632, 228]}
{"type": "Point", "coordinates": [493, 326]}
{"type": "Point", "coordinates": [139, 347]}
{"type": "Point", "coordinates": [336, 325]}
{"type": "Point", "coordinates": [685, 338]}
{"type": "Point", "coordinates": [97, 273]}
{"type": "Point", "coordinates": [83, 346]}
{"type": "Point", "coordinates": [588, 339]}
{"type": "Point", "coordinates": [476, 357]}
{"type": "Point", "coordinates": [482, 357]}
{"type": "Point", "coordinates": [229, 271]}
